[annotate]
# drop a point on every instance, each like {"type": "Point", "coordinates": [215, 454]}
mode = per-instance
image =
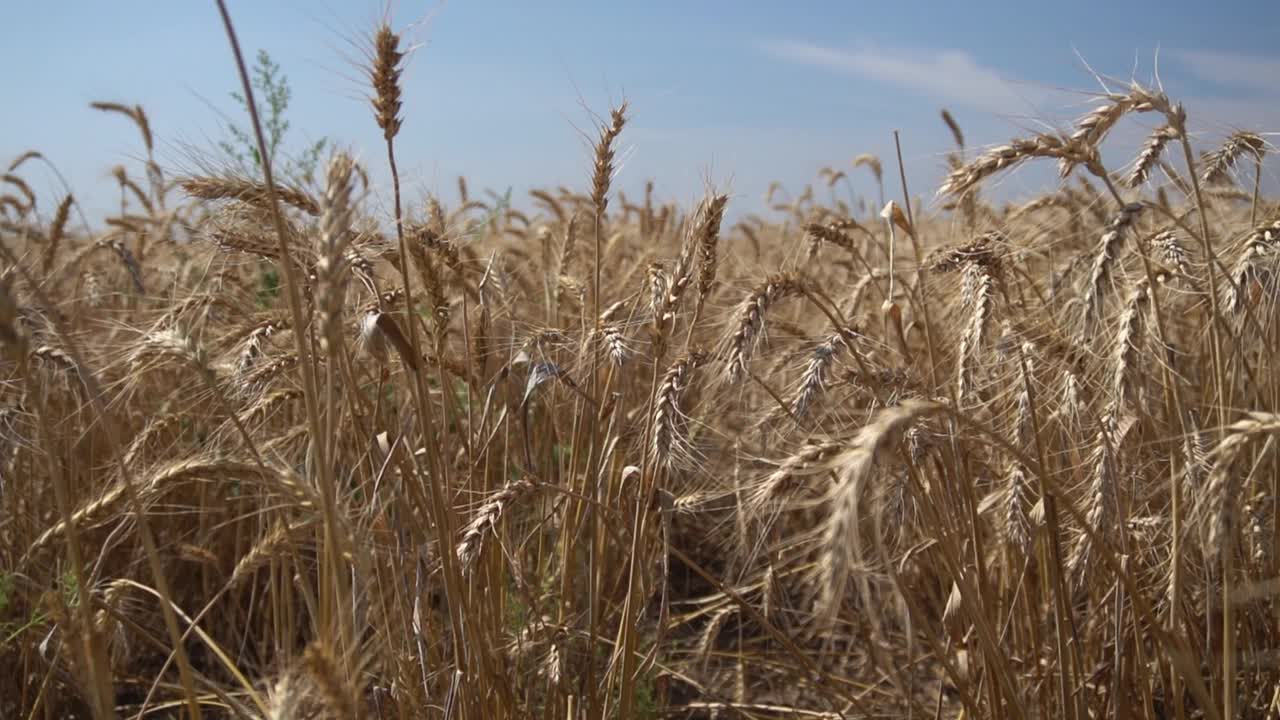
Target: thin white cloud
{"type": "Point", "coordinates": [1233, 70]}
{"type": "Point", "coordinates": [1241, 92]}
{"type": "Point", "coordinates": [949, 75]}
{"type": "Point", "coordinates": [1222, 115]}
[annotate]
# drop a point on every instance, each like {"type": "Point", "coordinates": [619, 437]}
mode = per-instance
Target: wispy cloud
{"type": "Point", "coordinates": [1239, 90]}
{"type": "Point", "coordinates": [952, 76]}
{"type": "Point", "coordinates": [1232, 70]}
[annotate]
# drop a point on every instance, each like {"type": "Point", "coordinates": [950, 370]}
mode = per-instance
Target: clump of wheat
{"type": "Point", "coordinates": [348, 463]}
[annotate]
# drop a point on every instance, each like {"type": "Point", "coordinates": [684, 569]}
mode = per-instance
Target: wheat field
{"type": "Point", "coordinates": [268, 452]}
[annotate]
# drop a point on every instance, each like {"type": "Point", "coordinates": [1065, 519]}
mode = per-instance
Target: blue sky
{"type": "Point", "coordinates": [738, 93]}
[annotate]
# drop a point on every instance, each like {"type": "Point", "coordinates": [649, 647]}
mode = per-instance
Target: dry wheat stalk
{"type": "Point", "coordinates": [255, 344]}
{"type": "Point", "coordinates": [809, 460]}
{"type": "Point", "coordinates": [252, 384]}
{"type": "Point", "coordinates": [127, 183]}
{"type": "Point", "coordinates": [268, 403]}
{"type": "Point", "coordinates": [1150, 155]}
{"type": "Point", "coordinates": [954, 127]}
{"type": "Point", "coordinates": [833, 233]}
{"type": "Point", "coordinates": [841, 537]}
{"type": "Point", "coordinates": [751, 314]}
{"type": "Point", "coordinates": [9, 201]}
{"type": "Point", "coordinates": [384, 76]}
{"type": "Point", "coordinates": [1172, 251]}
{"type": "Point", "coordinates": [23, 158]}
{"type": "Point", "coordinates": [570, 243]}
{"type": "Point", "coordinates": [157, 482]}
{"type": "Point", "coordinates": [487, 517]}
{"type": "Point", "coordinates": [1196, 452]}
{"type": "Point", "coordinates": [1221, 498]}
{"type": "Point", "coordinates": [168, 343]}
{"type": "Point", "coordinates": [135, 113]}
{"type": "Point", "coordinates": [1218, 165]}
{"type": "Point", "coordinates": [95, 292]}
{"type": "Point", "coordinates": [23, 188]}
{"type": "Point", "coordinates": [978, 296]}
{"type": "Point", "coordinates": [154, 427]}
{"type": "Point", "coordinates": [708, 236]}
{"type": "Point", "coordinates": [335, 236]}
{"type": "Point", "coordinates": [872, 163]}
{"type": "Point", "coordinates": [377, 330]}
{"type": "Point", "coordinates": [1228, 194]}
{"type": "Point", "coordinates": [1258, 248]}
{"type": "Point", "coordinates": [1103, 506]}
{"type": "Point", "coordinates": [670, 447]}
{"type": "Point", "coordinates": [438, 244]}
{"type": "Point", "coordinates": [965, 178]}
{"type": "Point", "coordinates": [58, 359]}
{"type": "Point", "coordinates": [817, 372]}
{"type": "Point", "coordinates": [550, 202]}
{"type": "Point", "coordinates": [610, 330]}
{"type": "Point", "coordinates": [1104, 257]}
{"type": "Point", "coordinates": [602, 175]}
{"type": "Point", "coordinates": [1093, 128]}
{"type": "Point", "coordinates": [707, 640]}
{"type": "Point", "coordinates": [1125, 377]}
{"type": "Point", "coordinates": [11, 330]}
{"type": "Point", "coordinates": [250, 192]}
{"type": "Point", "coordinates": [275, 543]}
{"type": "Point", "coordinates": [1018, 524]}
{"type": "Point", "coordinates": [979, 264]}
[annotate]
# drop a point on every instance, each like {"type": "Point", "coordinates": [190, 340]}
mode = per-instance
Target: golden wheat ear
{"type": "Point", "coordinates": [1218, 165]}
{"type": "Point", "coordinates": [384, 75]}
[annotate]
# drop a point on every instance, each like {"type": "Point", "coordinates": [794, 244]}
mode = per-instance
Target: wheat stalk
{"type": "Point", "coordinates": [670, 447]}
{"type": "Point", "coordinates": [1221, 497]}
{"type": "Point", "coordinates": [751, 315]}
{"type": "Point", "coordinates": [1257, 248]}
{"type": "Point", "coordinates": [1152, 149]}
{"type": "Point", "coordinates": [1104, 257]}
{"type": "Point", "coordinates": [250, 192]}
{"type": "Point", "coordinates": [817, 372]}
{"type": "Point", "coordinates": [966, 177]}
{"type": "Point", "coordinates": [841, 536]}
{"type": "Point", "coordinates": [1240, 143]}
{"type": "Point", "coordinates": [335, 237]}
{"type": "Point", "coordinates": [1128, 348]}
{"type": "Point", "coordinates": [486, 520]}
